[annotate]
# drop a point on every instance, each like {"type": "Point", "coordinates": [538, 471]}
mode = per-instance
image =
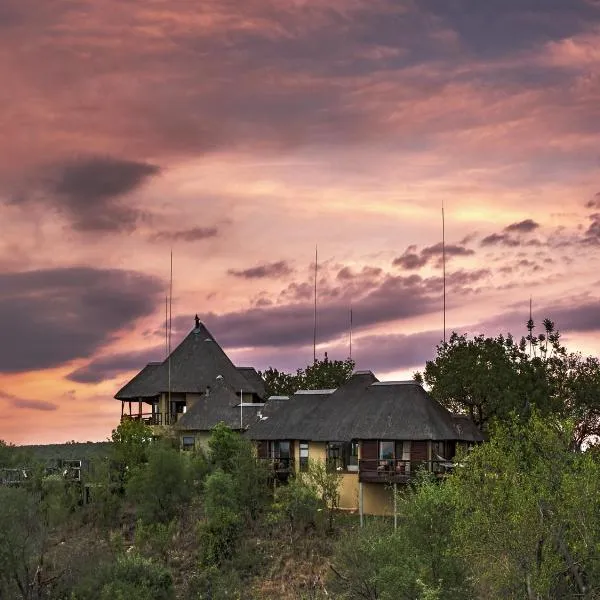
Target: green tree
{"type": "Point", "coordinates": [490, 378]}
{"type": "Point", "coordinates": [580, 379]}
{"type": "Point", "coordinates": [23, 545]}
{"type": "Point", "coordinates": [161, 487]}
{"type": "Point", "coordinates": [525, 526]}
{"type": "Point", "coordinates": [222, 527]}
{"type": "Point", "coordinates": [131, 440]}
{"type": "Point", "coordinates": [298, 503]}
{"type": "Point", "coordinates": [322, 374]}
{"type": "Point", "coordinates": [129, 577]}
{"type": "Point", "coordinates": [326, 484]}
{"type": "Point", "coordinates": [234, 455]}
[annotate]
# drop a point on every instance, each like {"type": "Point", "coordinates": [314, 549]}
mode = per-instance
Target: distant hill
{"type": "Point", "coordinates": [71, 451]}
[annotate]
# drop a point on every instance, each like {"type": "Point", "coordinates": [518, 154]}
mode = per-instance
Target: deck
{"type": "Point", "coordinates": [393, 470]}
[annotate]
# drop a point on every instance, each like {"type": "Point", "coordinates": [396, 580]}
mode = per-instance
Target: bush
{"type": "Point", "coordinates": [161, 487]}
{"type": "Point", "coordinates": [130, 577]}
{"type": "Point", "coordinates": [221, 530]}
{"type": "Point", "coordinates": [298, 503]}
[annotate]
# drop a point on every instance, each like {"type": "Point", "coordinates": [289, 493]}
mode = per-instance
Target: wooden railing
{"type": "Point", "coordinates": [393, 470]}
{"type": "Point", "coordinates": [151, 418]}
{"type": "Point", "coordinates": [279, 465]}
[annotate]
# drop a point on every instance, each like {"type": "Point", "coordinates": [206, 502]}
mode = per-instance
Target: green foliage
{"type": "Point", "coordinates": [216, 583]}
{"type": "Point", "coordinates": [235, 455]}
{"type": "Point", "coordinates": [524, 526]}
{"type": "Point", "coordinates": [156, 539]}
{"type": "Point", "coordinates": [160, 488]}
{"type": "Point", "coordinates": [326, 485]}
{"type": "Point", "coordinates": [129, 577]}
{"type": "Point", "coordinates": [23, 537]}
{"type": "Point", "coordinates": [12, 456]}
{"type": "Point", "coordinates": [491, 378]}
{"type": "Point", "coordinates": [131, 440]}
{"type": "Point", "coordinates": [60, 499]}
{"type": "Point", "coordinates": [322, 374]}
{"type": "Point", "coordinates": [298, 503]}
{"type": "Point", "coordinates": [105, 502]}
{"type": "Point", "coordinates": [415, 561]}
{"type": "Point", "coordinates": [221, 529]}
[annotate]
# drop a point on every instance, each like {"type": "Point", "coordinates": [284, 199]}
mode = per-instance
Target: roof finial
{"type": "Point", "coordinates": [197, 322]}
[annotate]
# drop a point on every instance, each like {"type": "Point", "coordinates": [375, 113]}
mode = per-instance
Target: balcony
{"type": "Point", "coordinates": [281, 468]}
{"type": "Point", "coordinates": [151, 419]}
{"type": "Point", "coordinates": [393, 470]}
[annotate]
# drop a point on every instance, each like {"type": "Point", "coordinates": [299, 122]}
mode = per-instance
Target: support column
{"type": "Point", "coordinates": [361, 503]}
{"type": "Point", "coordinates": [122, 408]}
{"type": "Point", "coordinates": [395, 506]}
{"type": "Point", "coordinates": [429, 455]}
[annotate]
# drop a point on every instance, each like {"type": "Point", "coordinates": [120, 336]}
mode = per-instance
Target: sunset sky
{"type": "Point", "coordinates": [241, 133]}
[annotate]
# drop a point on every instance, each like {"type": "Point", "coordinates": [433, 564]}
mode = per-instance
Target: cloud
{"type": "Point", "coordinates": [89, 192]}
{"type": "Point", "coordinates": [526, 226]}
{"type": "Point", "coordinates": [18, 402]}
{"type": "Point", "coordinates": [272, 270]}
{"type": "Point", "coordinates": [412, 260]}
{"type": "Point", "coordinates": [108, 367]}
{"type": "Point", "coordinates": [195, 234]}
{"type": "Point", "coordinates": [54, 316]}
{"type": "Point", "coordinates": [376, 299]}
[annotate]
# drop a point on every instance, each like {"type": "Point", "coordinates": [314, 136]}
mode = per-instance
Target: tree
{"type": "Point", "coordinates": [23, 541]}
{"type": "Point", "coordinates": [581, 388]}
{"type": "Point", "coordinates": [131, 440]}
{"type": "Point", "coordinates": [322, 374]}
{"type": "Point", "coordinates": [161, 487]}
{"type": "Point", "coordinates": [326, 484]}
{"type": "Point", "coordinates": [525, 526]}
{"type": "Point", "coordinates": [490, 378]}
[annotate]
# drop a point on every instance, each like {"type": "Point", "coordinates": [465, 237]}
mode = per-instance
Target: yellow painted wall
{"type": "Point", "coordinates": [378, 499]}
{"type": "Point", "coordinates": [349, 485]}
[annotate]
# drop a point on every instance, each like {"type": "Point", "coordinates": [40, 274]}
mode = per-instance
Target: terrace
{"type": "Point", "coordinates": [392, 470]}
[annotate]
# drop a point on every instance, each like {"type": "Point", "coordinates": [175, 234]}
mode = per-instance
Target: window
{"type": "Point", "coordinates": [386, 450]}
{"type": "Point", "coordinates": [352, 462]}
{"type": "Point", "coordinates": [342, 456]}
{"type": "Point", "coordinates": [304, 456]}
{"type": "Point", "coordinates": [188, 442]}
{"type": "Point", "coordinates": [335, 456]}
{"type": "Point", "coordinates": [280, 449]}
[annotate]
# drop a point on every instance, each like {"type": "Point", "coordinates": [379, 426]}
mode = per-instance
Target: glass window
{"type": "Point", "coordinates": [280, 449]}
{"type": "Point", "coordinates": [304, 456]}
{"type": "Point", "coordinates": [386, 450]}
{"type": "Point", "coordinates": [352, 454]}
{"type": "Point", "coordinates": [335, 456]}
{"type": "Point", "coordinates": [188, 442]}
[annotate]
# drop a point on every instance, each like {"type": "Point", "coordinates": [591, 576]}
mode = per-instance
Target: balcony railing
{"type": "Point", "coordinates": [393, 470]}
{"type": "Point", "coordinates": [150, 418]}
{"type": "Point", "coordinates": [280, 466]}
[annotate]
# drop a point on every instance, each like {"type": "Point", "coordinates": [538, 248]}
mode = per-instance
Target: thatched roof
{"type": "Point", "coordinates": [221, 404]}
{"type": "Point", "coordinates": [363, 408]}
{"type": "Point", "coordinates": [195, 364]}
{"type": "Point", "coordinates": [251, 374]}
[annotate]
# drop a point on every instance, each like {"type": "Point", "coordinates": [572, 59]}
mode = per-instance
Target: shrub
{"type": "Point", "coordinates": [161, 487]}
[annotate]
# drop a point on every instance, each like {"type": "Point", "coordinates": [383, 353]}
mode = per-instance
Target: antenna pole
{"type": "Point", "coordinates": [241, 410]}
{"type": "Point", "coordinates": [315, 315]}
{"type": "Point", "coordinates": [170, 327]}
{"type": "Point", "coordinates": [166, 326]}
{"type": "Point", "coordinates": [350, 330]}
{"type": "Point", "coordinates": [444, 268]}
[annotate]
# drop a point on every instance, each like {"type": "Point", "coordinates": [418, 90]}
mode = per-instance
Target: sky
{"type": "Point", "coordinates": [240, 134]}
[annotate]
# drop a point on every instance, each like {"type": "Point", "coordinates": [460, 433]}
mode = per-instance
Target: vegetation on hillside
{"type": "Point", "coordinates": [517, 518]}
